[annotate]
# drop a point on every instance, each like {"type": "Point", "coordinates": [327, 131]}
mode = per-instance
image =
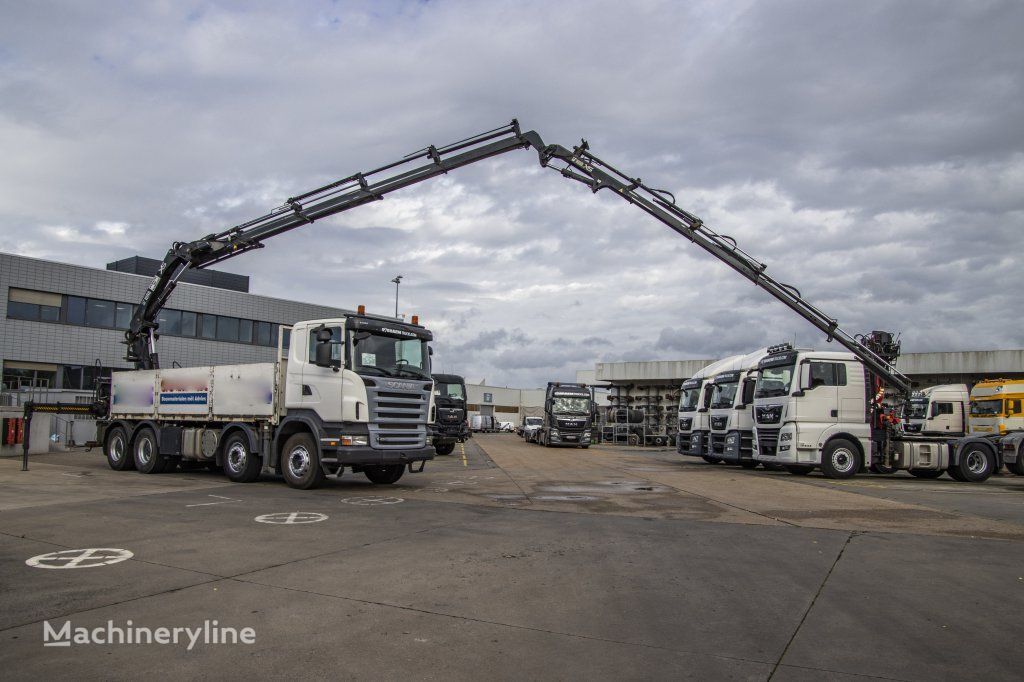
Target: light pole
{"type": "Point", "coordinates": [397, 280]}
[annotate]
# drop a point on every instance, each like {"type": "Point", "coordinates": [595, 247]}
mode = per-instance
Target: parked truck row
{"type": "Point", "coordinates": [803, 410]}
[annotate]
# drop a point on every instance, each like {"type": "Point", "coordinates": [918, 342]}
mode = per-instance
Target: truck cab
{"type": "Point", "coordinates": [997, 407]}
{"type": "Point", "coordinates": [694, 405]}
{"type": "Point", "coordinates": [730, 411]}
{"type": "Point", "coordinates": [451, 424]}
{"type": "Point", "coordinates": [568, 416]}
{"type": "Point", "coordinates": [938, 410]}
{"type": "Point", "coordinates": [811, 410]}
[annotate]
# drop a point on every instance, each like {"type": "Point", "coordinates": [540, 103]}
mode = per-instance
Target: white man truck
{"type": "Point", "coordinates": [352, 392]}
{"type": "Point", "coordinates": [694, 402]}
{"type": "Point", "coordinates": [823, 409]}
{"type": "Point", "coordinates": [938, 410]}
{"type": "Point", "coordinates": [731, 418]}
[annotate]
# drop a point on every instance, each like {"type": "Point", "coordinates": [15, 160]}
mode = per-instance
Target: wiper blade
{"type": "Point", "coordinates": [381, 372]}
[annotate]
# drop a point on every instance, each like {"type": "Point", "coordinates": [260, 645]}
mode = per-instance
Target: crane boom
{"type": "Point", "coordinates": [341, 195]}
{"type": "Point", "coordinates": [876, 350]}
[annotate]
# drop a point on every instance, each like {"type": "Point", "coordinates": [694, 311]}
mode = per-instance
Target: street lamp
{"type": "Point", "coordinates": [397, 280]}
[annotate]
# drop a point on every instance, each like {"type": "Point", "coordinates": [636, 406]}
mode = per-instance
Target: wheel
{"type": "Point", "coordinates": [585, 446]}
{"type": "Point", "coordinates": [976, 463]}
{"type": "Point", "coordinates": [633, 439]}
{"type": "Point", "coordinates": [1018, 466]}
{"type": "Point", "coordinates": [710, 460]}
{"type": "Point", "coordinates": [240, 464]}
{"type": "Point", "coordinates": [148, 459]}
{"type": "Point", "coordinates": [117, 451]}
{"type": "Point", "coordinates": [840, 459]}
{"type": "Point", "coordinates": [300, 462]}
{"type": "Point", "coordinates": [444, 448]}
{"type": "Point", "coordinates": [747, 464]}
{"type": "Point", "coordinates": [926, 473]}
{"type": "Point", "coordinates": [384, 474]}
{"type": "Point", "coordinates": [955, 474]}
{"type": "Point", "coordinates": [798, 469]}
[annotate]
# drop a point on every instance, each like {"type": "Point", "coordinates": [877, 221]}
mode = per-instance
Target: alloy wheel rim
{"type": "Point", "coordinates": [236, 457]}
{"type": "Point", "coordinates": [976, 462]}
{"type": "Point", "coordinates": [117, 448]}
{"type": "Point", "coordinates": [145, 450]}
{"type": "Point", "coordinates": [842, 460]}
{"type": "Point", "coordinates": [298, 461]}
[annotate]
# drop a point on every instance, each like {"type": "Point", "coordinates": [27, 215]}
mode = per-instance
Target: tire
{"type": "Point", "coordinates": [241, 465]}
{"type": "Point", "coordinates": [976, 463]}
{"type": "Point", "coordinates": [711, 460]}
{"type": "Point", "coordinates": [748, 464]}
{"type": "Point", "coordinates": [633, 439]}
{"type": "Point", "coordinates": [444, 448]}
{"type": "Point", "coordinates": [926, 473]}
{"type": "Point", "coordinates": [840, 459]}
{"type": "Point", "coordinates": [585, 446]}
{"type": "Point", "coordinates": [300, 463]}
{"type": "Point", "coordinates": [879, 468]}
{"type": "Point", "coordinates": [384, 474]}
{"type": "Point", "coordinates": [798, 469]}
{"type": "Point", "coordinates": [1017, 468]}
{"type": "Point", "coordinates": [146, 451]}
{"type": "Point", "coordinates": [955, 474]}
{"type": "Point", "coordinates": [119, 455]}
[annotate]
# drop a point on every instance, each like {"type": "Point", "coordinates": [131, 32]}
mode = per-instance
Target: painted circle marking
{"type": "Point", "coordinates": [372, 501]}
{"type": "Point", "coordinates": [291, 518]}
{"type": "Point", "coordinates": [90, 557]}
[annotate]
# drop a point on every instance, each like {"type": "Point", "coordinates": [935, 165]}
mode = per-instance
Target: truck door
{"type": "Point", "coordinates": [821, 404]}
{"type": "Point", "coordinates": [943, 418]}
{"type": "Point", "coordinates": [321, 386]}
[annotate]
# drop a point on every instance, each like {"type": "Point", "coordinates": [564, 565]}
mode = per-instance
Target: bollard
{"type": "Point", "coordinates": [26, 439]}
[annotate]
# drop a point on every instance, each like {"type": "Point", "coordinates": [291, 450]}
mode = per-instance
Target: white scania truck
{"type": "Point", "coordinates": [352, 392]}
{"type": "Point", "coordinates": [731, 416]}
{"type": "Point", "coordinates": [694, 401]}
{"type": "Point", "coordinates": [823, 409]}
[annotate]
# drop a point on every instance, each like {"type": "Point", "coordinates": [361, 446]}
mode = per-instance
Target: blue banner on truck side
{"type": "Point", "coordinates": [182, 398]}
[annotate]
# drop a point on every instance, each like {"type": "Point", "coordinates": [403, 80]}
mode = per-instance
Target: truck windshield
{"type": "Point", "coordinates": [388, 355]}
{"type": "Point", "coordinates": [534, 421]}
{"type": "Point", "coordinates": [688, 399]}
{"type": "Point", "coordinates": [566, 405]}
{"type": "Point", "coordinates": [453, 391]}
{"type": "Point", "coordinates": [918, 408]}
{"type": "Point", "coordinates": [986, 408]}
{"type": "Point", "coordinates": [773, 381]}
{"type": "Point", "coordinates": [724, 394]}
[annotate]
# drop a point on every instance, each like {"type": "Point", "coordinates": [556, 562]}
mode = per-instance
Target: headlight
{"type": "Point", "coordinates": [695, 438]}
{"type": "Point", "coordinates": [353, 440]}
{"type": "Point", "coordinates": [785, 436]}
{"type": "Point", "coordinates": [730, 439]}
{"type": "Point", "coordinates": [554, 432]}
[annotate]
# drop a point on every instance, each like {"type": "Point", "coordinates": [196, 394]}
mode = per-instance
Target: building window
{"type": "Point", "coordinates": [170, 322]}
{"type": "Point", "coordinates": [99, 313]}
{"type": "Point", "coordinates": [245, 331]}
{"type": "Point", "coordinates": [188, 323]}
{"type": "Point", "coordinates": [25, 304]}
{"type": "Point", "coordinates": [19, 375]}
{"type": "Point", "coordinates": [75, 313]}
{"type": "Point", "coordinates": [208, 328]}
{"type": "Point", "coordinates": [263, 333]}
{"type": "Point", "coordinates": [488, 397]}
{"type": "Point", "coordinates": [123, 315]}
{"type": "Point", "coordinates": [227, 329]}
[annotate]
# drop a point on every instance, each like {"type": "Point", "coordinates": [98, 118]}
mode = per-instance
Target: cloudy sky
{"type": "Point", "coordinates": [871, 153]}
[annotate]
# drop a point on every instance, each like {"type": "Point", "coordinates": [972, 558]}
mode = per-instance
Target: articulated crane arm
{"type": "Point", "coordinates": [304, 209]}
{"type": "Point", "coordinates": [876, 350]}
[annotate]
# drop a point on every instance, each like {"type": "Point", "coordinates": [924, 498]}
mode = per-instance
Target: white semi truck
{"type": "Point", "coordinates": [694, 420]}
{"type": "Point", "coordinates": [938, 410]}
{"type": "Point", "coordinates": [352, 392]}
{"type": "Point", "coordinates": [731, 416]}
{"type": "Point", "coordinates": [823, 409]}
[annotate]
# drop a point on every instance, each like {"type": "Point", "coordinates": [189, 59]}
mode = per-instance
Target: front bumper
{"type": "Point", "coordinates": [568, 439]}
{"type": "Point", "coordinates": [364, 455]}
{"type": "Point", "coordinates": [693, 444]}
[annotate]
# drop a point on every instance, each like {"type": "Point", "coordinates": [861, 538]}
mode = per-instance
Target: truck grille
{"type": "Point", "coordinates": [718, 443]}
{"type": "Point", "coordinates": [719, 422]}
{"type": "Point", "coordinates": [398, 414]}
{"type": "Point", "coordinates": [767, 441]}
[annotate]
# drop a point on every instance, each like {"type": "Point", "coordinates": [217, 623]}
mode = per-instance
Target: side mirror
{"type": "Point", "coordinates": [934, 410]}
{"type": "Point", "coordinates": [430, 350]}
{"type": "Point", "coordinates": [748, 391]}
{"type": "Point", "coordinates": [805, 377]}
{"type": "Point", "coordinates": [324, 345]}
